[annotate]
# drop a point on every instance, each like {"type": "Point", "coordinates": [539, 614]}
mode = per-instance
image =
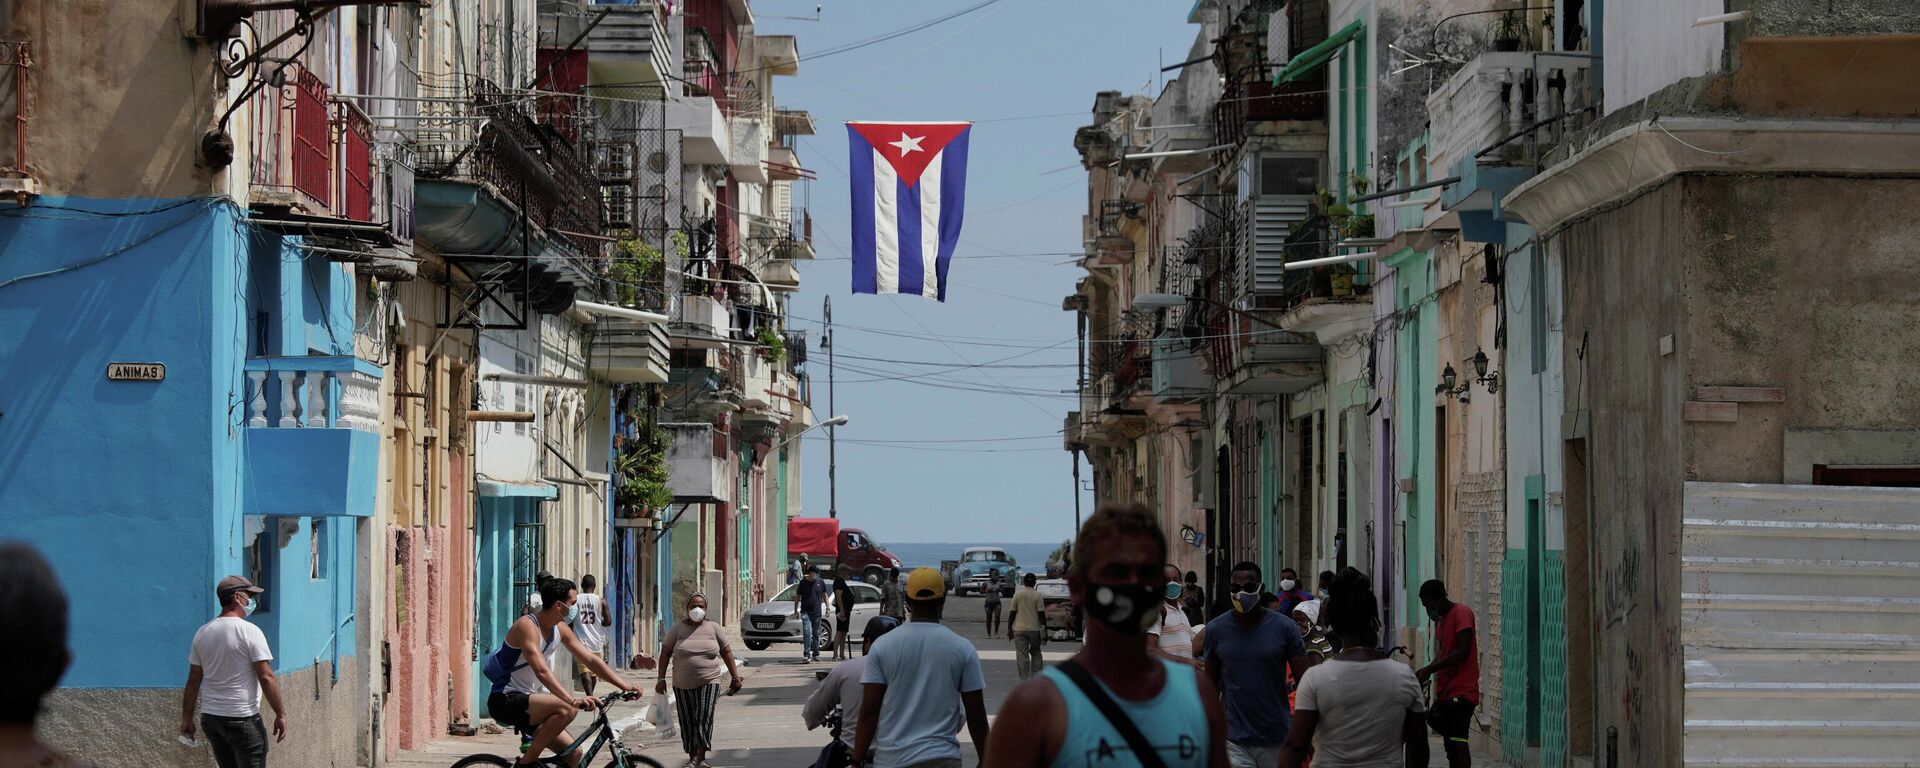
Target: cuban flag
{"type": "Point", "coordinates": [909, 184]}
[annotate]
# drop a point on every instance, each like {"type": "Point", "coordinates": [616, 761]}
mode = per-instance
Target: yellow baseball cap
{"type": "Point", "coordinates": [925, 584]}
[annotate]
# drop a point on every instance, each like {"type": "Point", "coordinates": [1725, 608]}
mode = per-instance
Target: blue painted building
{"type": "Point", "coordinates": [243, 444]}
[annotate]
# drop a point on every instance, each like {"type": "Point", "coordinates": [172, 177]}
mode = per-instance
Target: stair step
{"type": "Point", "coordinates": [1789, 666]}
{"type": "Point", "coordinates": [1781, 742]}
{"type": "Point", "coordinates": [1800, 577]}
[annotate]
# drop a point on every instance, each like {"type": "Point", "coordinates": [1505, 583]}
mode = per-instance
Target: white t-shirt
{"type": "Point", "coordinates": [225, 649]}
{"type": "Point", "coordinates": [1174, 631]}
{"type": "Point", "coordinates": [925, 667]}
{"type": "Point", "coordinates": [586, 621]}
{"type": "Point", "coordinates": [842, 689]}
{"type": "Point", "coordinates": [1363, 708]}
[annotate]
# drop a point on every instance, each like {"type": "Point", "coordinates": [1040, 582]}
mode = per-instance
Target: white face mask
{"type": "Point", "coordinates": [696, 615]}
{"type": "Point", "coordinates": [247, 610]}
{"type": "Point", "coordinates": [1287, 585]}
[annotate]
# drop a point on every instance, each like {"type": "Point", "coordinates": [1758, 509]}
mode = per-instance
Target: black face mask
{"type": "Point", "coordinates": [1125, 608]}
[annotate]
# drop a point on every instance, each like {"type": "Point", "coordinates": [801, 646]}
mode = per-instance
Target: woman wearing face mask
{"type": "Point", "coordinates": [701, 657]}
{"type": "Point", "coordinates": [1113, 692]}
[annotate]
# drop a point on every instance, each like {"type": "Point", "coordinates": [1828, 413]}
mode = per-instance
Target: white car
{"type": "Point", "coordinates": [778, 620]}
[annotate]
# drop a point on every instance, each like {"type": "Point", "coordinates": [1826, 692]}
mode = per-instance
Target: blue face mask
{"type": "Point", "coordinates": [573, 611]}
{"type": "Point", "coordinates": [1173, 590]}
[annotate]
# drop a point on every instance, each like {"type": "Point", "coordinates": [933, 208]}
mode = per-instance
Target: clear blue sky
{"type": "Point", "coordinates": [1026, 194]}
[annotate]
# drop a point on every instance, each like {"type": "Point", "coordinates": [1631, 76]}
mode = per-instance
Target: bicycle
{"type": "Point", "coordinates": [601, 733]}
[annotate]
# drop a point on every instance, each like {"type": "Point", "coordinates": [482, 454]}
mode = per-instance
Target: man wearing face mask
{"type": "Point", "coordinates": [1249, 651]}
{"type": "Point", "coordinates": [1292, 592]}
{"type": "Point", "coordinates": [527, 691]}
{"type": "Point", "coordinates": [229, 665]}
{"type": "Point", "coordinates": [1113, 704]}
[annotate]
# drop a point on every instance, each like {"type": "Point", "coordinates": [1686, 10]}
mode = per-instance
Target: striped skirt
{"type": "Point", "coordinates": [695, 708]}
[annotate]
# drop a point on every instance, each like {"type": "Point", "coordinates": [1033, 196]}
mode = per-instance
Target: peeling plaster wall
{"type": "Point", "coordinates": [1651, 44]}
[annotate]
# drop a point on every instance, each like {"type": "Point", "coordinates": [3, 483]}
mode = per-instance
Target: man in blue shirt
{"type": "Point", "coordinates": [812, 594]}
{"type": "Point", "coordinates": [919, 682]}
{"type": "Point", "coordinates": [1248, 653]}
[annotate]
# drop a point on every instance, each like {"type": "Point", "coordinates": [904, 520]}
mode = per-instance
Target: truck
{"type": "Point", "coordinates": [821, 542]}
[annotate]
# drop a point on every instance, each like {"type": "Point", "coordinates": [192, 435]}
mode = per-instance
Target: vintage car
{"type": "Point", "coordinates": [977, 567]}
{"type": "Point", "coordinates": [1061, 620]}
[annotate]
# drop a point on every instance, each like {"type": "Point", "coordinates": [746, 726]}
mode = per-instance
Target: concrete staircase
{"type": "Point", "coordinates": [1801, 626]}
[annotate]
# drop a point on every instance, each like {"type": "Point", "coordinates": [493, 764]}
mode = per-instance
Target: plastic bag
{"type": "Point", "coordinates": [660, 713]}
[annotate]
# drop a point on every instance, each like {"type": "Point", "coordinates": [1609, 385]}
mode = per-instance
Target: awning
{"type": "Point", "coordinates": [1311, 58]}
{"type": "Point", "coordinates": [510, 489]}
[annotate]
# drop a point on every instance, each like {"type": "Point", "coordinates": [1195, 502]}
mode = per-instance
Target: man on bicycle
{"type": "Point", "coordinates": [527, 691]}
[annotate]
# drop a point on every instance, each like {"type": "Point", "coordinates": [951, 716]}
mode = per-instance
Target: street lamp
{"type": "Point", "coordinates": [1448, 378]}
{"type": "Point", "coordinates": [837, 421]}
{"type": "Point", "coordinates": [1490, 380]}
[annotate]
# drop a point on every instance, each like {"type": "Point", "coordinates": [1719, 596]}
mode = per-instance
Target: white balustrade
{"type": "Point", "coordinates": [308, 400]}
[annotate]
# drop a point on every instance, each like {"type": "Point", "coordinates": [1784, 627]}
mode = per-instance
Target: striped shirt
{"type": "Point", "coordinates": [1175, 632]}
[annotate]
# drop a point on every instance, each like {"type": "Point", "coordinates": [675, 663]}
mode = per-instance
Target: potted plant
{"type": "Point", "coordinates": [642, 466]}
{"type": "Point", "coordinates": [1357, 226]}
{"type": "Point", "coordinates": [1509, 31]}
{"type": "Point", "coordinates": [772, 347]}
{"type": "Point", "coordinates": [635, 264]}
{"type": "Point", "coordinates": [1340, 279]}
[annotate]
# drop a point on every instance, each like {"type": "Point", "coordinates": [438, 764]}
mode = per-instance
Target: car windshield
{"type": "Point", "coordinates": [785, 594]}
{"type": "Point", "coordinates": [983, 556]}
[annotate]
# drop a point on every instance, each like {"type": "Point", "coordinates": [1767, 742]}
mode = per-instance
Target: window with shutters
{"type": "Point", "coordinates": [312, 139]}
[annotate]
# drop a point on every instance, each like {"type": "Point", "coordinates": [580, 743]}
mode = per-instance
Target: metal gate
{"type": "Point", "coordinates": [529, 551]}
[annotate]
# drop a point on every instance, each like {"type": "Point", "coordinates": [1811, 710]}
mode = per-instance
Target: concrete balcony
{"type": "Point", "coordinates": [1258, 360]}
{"type": "Point", "coordinates": [312, 442]}
{"type": "Point", "coordinates": [701, 322]}
{"type": "Point", "coordinates": [755, 375]}
{"type": "Point", "coordinates": [1178, 375]}
{"type": "Point", "coordinates": [780, 276]}
{"type": "Point", "coordinates": [748, 156]}
{"type": "Point", "coordinates": [704, 138]}
{"type": "Point", "coordinates": [631, 352]}
{"type": "Point", "coordinates": [631, 45]}
{"type": "Point", "coordinates": [697, 467]}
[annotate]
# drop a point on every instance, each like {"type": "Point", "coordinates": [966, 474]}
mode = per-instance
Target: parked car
{"type": "Point", "coordinates": [778, 620]}
{"type": "Point", "coordinates": [978, 565]}
{"type": "Point", "coordinates": [1062, 621]}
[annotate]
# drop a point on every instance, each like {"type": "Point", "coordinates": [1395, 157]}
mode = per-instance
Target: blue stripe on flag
{"type": "Point", "coordinates": [912, 272]}
{"type": "Point", "coordinates": [860, 182]}
{"type": "Point", "coordinates": [953, 202]}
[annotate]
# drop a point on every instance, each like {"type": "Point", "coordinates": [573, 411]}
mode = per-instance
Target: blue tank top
{"type": "Point", "coordinates": [1174, 722]}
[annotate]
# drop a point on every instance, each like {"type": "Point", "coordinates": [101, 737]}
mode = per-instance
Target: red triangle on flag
{"type": "Point", "coordinates": [909, 147]}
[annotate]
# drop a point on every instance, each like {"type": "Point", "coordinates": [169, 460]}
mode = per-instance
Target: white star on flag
{"type": "Point", "coordinates": [907, 144]}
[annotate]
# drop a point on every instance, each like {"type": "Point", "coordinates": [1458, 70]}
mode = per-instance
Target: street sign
{"type": "Point", "coordinates": [136, 371]}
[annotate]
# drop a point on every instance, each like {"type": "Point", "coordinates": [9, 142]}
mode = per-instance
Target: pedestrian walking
{"type": "Point", "coordinates": [1194, 599]}
{"type": "Point", "coordinates": [527, 691]}
{"type": "Point", "coordinates": [921, 683]}
{"type": "Point", "coordinates": [842, 690]}
{"type": "Point", "coordinates": [701, 657]}
{"type": "Point", "coordinates": [812, 594]}
{"type": "Point", "coordinates": [589, 624]}
{"type": "Point", "coordinates": [229, 665]}
{"type": "Point", "coordinates": [33, 628]}
{"type": "Point", "coordinates": [793, 571]}
{"type": "Point", "coordinates": [1171, 636]}
{"type": "Point", "coordinates": [993, 603]}
{"type": "Point", "coordinates": [1292, 592]}
{"type": "Point", "coordinates": [1360, 709]}
{"type": "Point", "coordinates": [1166, 714]}
{"type": "Point", "coordinates": [1306, 616]}
{"type": "Point", "coordinates": [534, 601]}
{"type": "Point", "coordinates": [1027, 626]}
{"type": "Point", "coordinates": [1249, 652]}
{"type": "Point", "coordinates": [892, 600]}
{"type": "Point", "coordinates": [1456, 672]}
{"type": "Point", "coordinates": [842, 613]}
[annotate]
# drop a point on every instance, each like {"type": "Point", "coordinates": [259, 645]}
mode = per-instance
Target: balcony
{"type": "Point", "coordinates": [631, 352]}
{"type": "Point", "coordinates": [630, 45]}
{"type": "Point", "coordinates": [1494, 121]}
{"type": "Point", "coordinates": [701, 322]}
{"type": "Point", "coordinates": [1179, 376]}
{"type": "Point", "coordinates": [1073, 435]}
{"type": "Point", "coordinates": [312, 442]}
{"type": "Point", "coordinates": [704, 138]}
{"type": "Point", "coordinates": [1112, 246]}
{"type": "Point", "coordinates": [697, 467]}
{"type": "Point", "coordinates": [16, 177]}
{"type": "Point", "coordinates": [748, 155]}
{"type": "Point", "coordinates": [1249, 358]}
{"type": "Point", "coordinates": [780, 276]}
{"type": "Point", "coordinates": [755, 374]}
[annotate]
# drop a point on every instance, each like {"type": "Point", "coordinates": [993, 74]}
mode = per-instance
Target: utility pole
{"type": "Point", "coordinates": [833, 490]}
{"type": "Point", "coordinates": [1075, 455]}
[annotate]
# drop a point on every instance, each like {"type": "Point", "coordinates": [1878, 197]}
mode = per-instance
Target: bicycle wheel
{"type": "Point", "coordinates": [488, 761]}
{"type": "Point", "coordinates": [635, 760]}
